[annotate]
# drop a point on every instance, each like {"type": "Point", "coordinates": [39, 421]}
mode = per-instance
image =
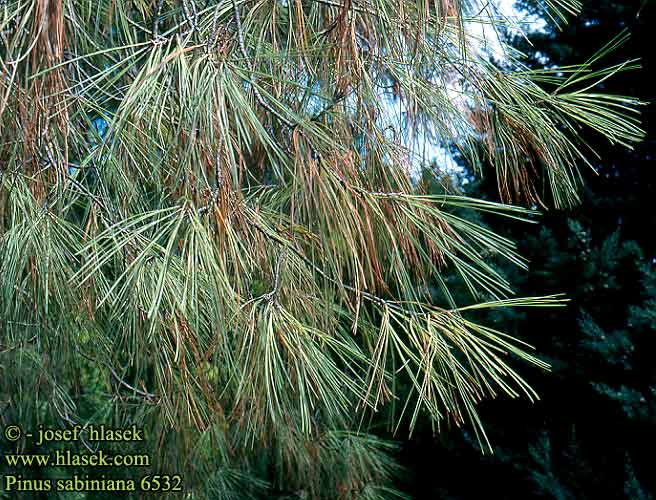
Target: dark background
{"type": "Point", "coordinates": [593, 433]}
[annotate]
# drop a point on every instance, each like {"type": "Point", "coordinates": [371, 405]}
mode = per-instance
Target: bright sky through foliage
{"type": "Point", "coordinates": [487, 39]}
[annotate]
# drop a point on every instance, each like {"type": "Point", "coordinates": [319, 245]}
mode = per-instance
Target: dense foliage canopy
{"type": "Point", "coordinates": [211, 225]}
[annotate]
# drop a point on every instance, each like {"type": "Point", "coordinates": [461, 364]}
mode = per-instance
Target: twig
{"type": "Point", "coordinates": [155, 22]}
{"type": "Point", "coordinates": [191, 15]}
{"type": "Point", "coordinates": [64, 416]}
{"type": "Point", "coordinates": [337, 98]}
{"type": "Point", "coordinates": [252, 79]}
{"type": "Point", "coordinates": [211, 38]}
{"type": "Point", "coordinates": [146, 395]}
{"type": "Point", "coordinates": [273, 294]}
{"type": "Point", "coordinates": [369, 296]}
{"type": "Point", "coordinates": [151, 397]}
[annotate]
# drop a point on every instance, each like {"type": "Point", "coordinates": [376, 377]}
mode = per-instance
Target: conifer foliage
{"type": "Point", "coordinates": [209, 225]}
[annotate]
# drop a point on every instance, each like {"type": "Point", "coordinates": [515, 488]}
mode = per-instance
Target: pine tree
{"type": "Point", "coordinates": [210, 227]}
{"type": "Point", "coordinates": [589, 435]}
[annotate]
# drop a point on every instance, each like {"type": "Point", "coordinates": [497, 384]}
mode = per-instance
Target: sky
{"type": "Point", "coordinates": [487, 40]}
